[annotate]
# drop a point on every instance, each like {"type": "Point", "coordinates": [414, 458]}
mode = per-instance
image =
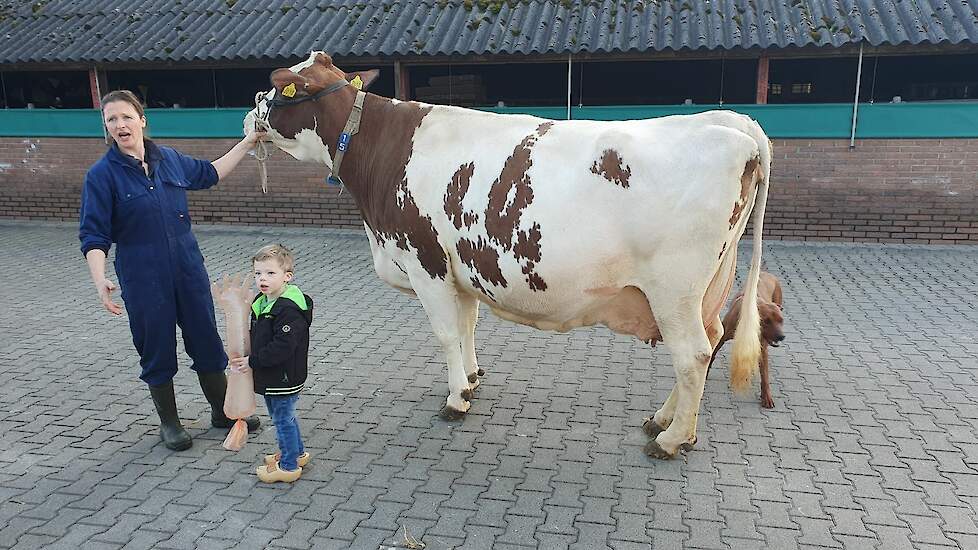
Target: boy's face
{"type": "Point", "coordinates": [270, 278]}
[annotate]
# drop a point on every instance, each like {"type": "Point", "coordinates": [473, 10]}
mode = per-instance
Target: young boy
{"type": "Point", "coordinates": [280, 318]}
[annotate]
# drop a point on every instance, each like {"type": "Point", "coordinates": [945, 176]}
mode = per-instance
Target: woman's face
{"type": "Point", "coordinates": [124, 124]}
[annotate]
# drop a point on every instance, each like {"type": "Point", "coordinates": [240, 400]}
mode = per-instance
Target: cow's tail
{"type": "Point", "coordinates": [747, 342]}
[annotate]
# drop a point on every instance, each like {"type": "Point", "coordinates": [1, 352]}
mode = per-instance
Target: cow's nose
{"type": "Point", "coordinates": [780, 338]}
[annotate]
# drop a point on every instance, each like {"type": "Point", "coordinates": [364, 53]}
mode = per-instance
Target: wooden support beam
{"type": "Point", "coordinates": [98, 86]}
{"type": "Point", "coordinates": [402, 81]}
{"type": "Point", "coordinates": [762, 80]}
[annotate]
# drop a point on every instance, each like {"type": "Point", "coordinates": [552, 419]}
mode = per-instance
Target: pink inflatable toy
{"type": "Point", "coordinates": [233, 295]}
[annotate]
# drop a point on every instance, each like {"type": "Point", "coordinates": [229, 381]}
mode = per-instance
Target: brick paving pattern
{"type": "Point", "coordinates": [873, 442]}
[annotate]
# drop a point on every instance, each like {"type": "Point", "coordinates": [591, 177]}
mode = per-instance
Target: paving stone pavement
{"type": "Point", "coordinates": [873, 442]}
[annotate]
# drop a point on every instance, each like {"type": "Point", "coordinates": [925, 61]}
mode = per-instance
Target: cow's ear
{"type": "Point", "coordinates": [363, 79]}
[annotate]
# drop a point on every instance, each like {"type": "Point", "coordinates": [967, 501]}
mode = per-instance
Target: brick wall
{"type": "Point", "coordinates": [900, 191]}
{"type": "Point", "coordinates": [885, 190]}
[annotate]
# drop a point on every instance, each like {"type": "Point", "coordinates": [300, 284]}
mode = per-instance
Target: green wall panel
{"type": "Point", "coordinates": [829, 120]}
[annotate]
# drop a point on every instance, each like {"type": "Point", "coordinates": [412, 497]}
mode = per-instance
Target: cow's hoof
{"type": "Point", "coordinates": [653, 450]}
{"type": "Point", "coordinates": [467, 394]}
{"type": "Point", "coordinates": [473, 378]}
{"type": "Point", "coordinates": [651, 428]}
{"type": "Point", "coordinates": [451, 414]}
{"type": "Point", "coordinates": [480, 372]}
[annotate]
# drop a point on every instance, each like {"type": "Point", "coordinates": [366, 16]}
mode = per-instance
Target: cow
{"type": "Point", "coordinates": [551, 224]}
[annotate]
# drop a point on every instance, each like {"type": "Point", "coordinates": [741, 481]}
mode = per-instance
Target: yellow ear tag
{"type": "Point", "coordinates": [357, 82]}
{"type": "Point", "coordinates": [289, 91]}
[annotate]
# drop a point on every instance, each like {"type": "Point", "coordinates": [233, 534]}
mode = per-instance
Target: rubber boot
{"type": "Point", "coordinates": [215, 385]}
{"type": "Point", "coordinates": [171, 432]}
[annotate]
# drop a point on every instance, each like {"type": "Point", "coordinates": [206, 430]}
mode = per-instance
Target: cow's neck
{"type": "Point", "coordinates": [375, 161]}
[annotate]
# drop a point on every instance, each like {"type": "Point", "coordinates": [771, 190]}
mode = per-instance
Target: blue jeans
{"type": "Point", "coordinates": [282, 410]}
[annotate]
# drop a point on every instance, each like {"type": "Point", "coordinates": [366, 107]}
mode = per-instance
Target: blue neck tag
{"type": "Point", "coordinates": [343, 142]}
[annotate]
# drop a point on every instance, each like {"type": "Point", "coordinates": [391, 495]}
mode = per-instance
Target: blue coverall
{"type": "Point", "coordinates": [158, 262]}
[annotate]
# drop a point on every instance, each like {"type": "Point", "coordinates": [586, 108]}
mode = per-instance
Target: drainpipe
{"type": "Point", "coordinates": [855, 101]}
{"type": "Point", "coordinates": [569, 56]}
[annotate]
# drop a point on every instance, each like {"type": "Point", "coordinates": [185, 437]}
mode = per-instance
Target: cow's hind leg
{"type": "Point", "coordinates": [468, 315]}
{"type": "Point", "coordinates": [654, 425]}
{"type": "Point", "coordinates": [681, 323]}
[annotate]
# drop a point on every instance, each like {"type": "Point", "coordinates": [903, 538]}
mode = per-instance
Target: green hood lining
{"type": "Point", "coordinates": [262, 306]}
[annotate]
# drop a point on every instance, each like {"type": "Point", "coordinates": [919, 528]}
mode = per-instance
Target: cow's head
{"type": "Point", "coordinates": [308, 106]}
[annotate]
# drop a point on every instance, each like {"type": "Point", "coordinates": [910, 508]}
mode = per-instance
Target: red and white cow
{"type": "Point", "coordinates": [552, 224]}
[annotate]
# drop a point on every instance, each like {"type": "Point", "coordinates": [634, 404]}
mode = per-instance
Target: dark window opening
{"type": "Point", "coordinates": [884, 79]}
{"type": "Point", "coordinates": [237, 87]}
{"type": "Point", "coordinates": [592, 83]}
{"type": "Point", "coordinates": [665, 82]}
{"type": "Point", "coordinates": [920, 78]}
{"type": "Point", "coordinates": [168, 88]}
{"type": "Point", "coordinates": [46, 90]}
{"type": "Point", "coordinates": [525, 85]}
{"type": "Point", "coordinates": [813, 80]}
{"type": "Point", "coordinates": [212, 88]}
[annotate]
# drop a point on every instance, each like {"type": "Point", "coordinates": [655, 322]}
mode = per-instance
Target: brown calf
{"type": "Point", "coordinates": [769, 305]}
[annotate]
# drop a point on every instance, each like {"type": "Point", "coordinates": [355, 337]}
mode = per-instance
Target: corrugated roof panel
{"type": "Point", "coordinates": [189, 30]}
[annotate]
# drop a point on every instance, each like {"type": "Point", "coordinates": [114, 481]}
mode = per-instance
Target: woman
{"type": "Point", "coordinates": [136, 196]}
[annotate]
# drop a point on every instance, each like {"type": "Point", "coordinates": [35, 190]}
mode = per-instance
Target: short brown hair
{"type": "Point", "coordinates": [278, 252]}
{"type": "Point", "coordinates": [126, 96]}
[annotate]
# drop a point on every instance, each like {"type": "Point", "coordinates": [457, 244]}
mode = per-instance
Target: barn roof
{"type": "Point", "coordinates": [135, 31]}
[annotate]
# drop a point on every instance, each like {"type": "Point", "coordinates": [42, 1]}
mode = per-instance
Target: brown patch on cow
{"type": "Point", "coordinates": [746, 182]}
{"type": "Point", "coordinates": [528, 243]}
{"type": "Point", "coordinates": [609, 166]}
{"type": "Point", "coordinates": [535, 281]}
{"type": "Point", "coordinates": [456, 193]}
{"type": "Point", "coordinates": [502, 217]}
{"type": "Point", "coordinates": [376, 177]}
{"type": "Point", "coordinates": [482, 258]}
{"type": "Point", "coordinates": [477, 284]}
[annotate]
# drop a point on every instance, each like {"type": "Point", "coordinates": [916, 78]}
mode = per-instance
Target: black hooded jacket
{"type": "Point", "coordinates": [280, 342]}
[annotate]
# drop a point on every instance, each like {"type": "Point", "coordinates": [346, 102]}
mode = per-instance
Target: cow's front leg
{"type": "Point", "coordinates": [468, 314]}
{"type": "Point", "coordinates": [441, 302]}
